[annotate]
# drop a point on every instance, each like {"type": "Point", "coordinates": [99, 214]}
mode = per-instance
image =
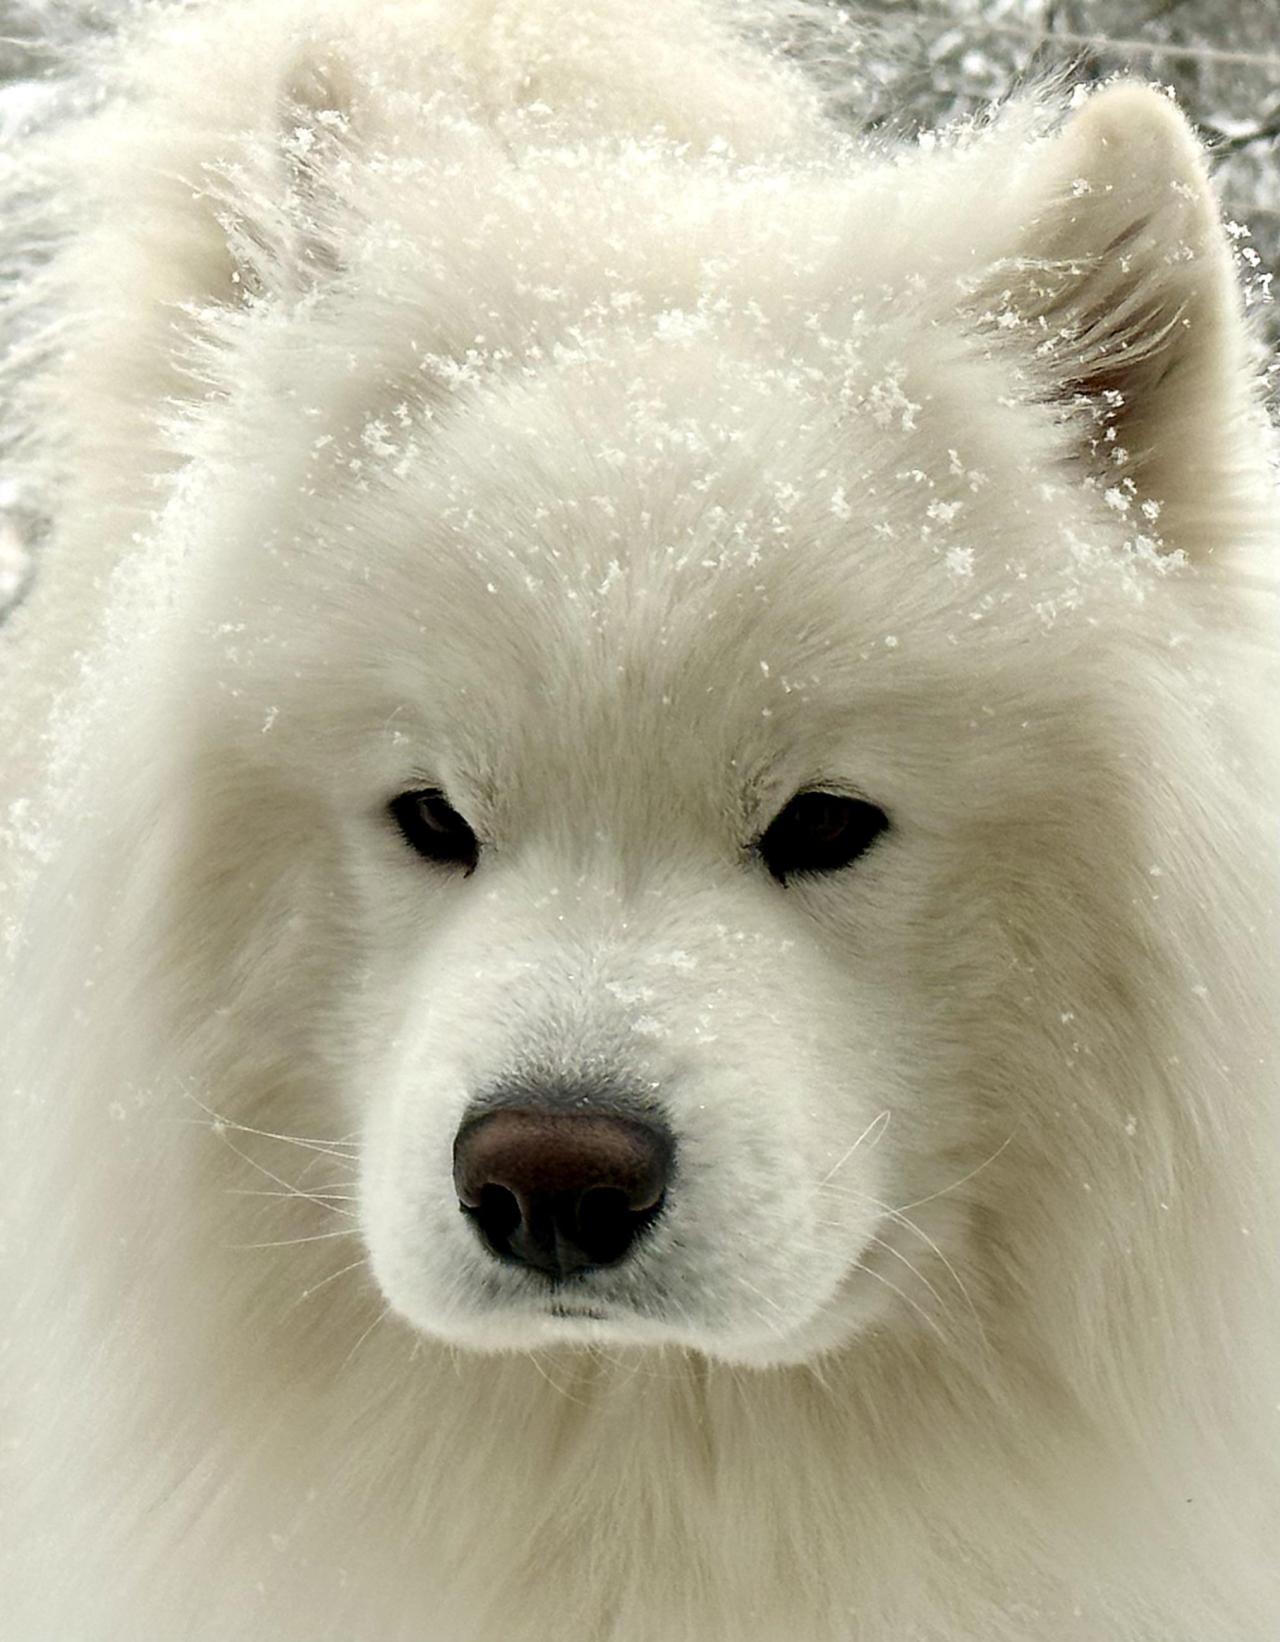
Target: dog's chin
{"type": "Point", "coordinates": [522, 1326]}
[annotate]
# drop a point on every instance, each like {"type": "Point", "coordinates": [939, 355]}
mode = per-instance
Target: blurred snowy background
{"type": "Point", "coordinates": [924, 62]}
{"type": "Point", "coordinates": [915, 64]}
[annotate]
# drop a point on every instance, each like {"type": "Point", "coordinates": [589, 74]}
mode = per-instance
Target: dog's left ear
{"type": "Point", "coordinates": [284, 209]}
{"type": "Point", "coordinates": [1126, 276]}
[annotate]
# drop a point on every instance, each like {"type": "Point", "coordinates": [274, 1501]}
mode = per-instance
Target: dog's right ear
{"type": "Point", "coordinates": [172, 212]}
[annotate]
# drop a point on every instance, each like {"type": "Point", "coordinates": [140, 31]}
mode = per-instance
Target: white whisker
{"type": "Point", "coordinates": [906, 1300]}
{"type": "Point", "coordinates": [964, 1178]}
{"type": "Point", "coordinates": [380, 1318]}
{"type": "Point", "coordinates": [878, 1123]}
{"type": "Point", "coordinates": [343, 1146]}
{"type": "Point", "coordinates": [292, 1242]}
{"type": "Point", "coordinates": [333, 1276]}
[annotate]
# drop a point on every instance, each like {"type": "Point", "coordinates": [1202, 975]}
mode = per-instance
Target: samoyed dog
{"type": "Point", "coordinates": [640, 891]}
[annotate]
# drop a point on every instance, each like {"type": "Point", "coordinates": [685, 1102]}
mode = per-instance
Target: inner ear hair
{"type": "Point", "coordinates": [1123, 281]}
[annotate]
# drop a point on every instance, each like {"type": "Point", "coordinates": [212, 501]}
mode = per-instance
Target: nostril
{"type": "Point", "coordinates": [496, 1215]}
{"type": "Point", "coordinates": [606, 1222]}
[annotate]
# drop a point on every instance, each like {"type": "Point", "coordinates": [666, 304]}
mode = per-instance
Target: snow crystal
{"type": "Point", "coordinates": [629, 993]}
{"type": "Point", "coordinates": [960, 561]}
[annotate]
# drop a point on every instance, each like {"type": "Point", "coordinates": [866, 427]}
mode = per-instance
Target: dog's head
{"type": "Point", "coordinates": [665, 724]}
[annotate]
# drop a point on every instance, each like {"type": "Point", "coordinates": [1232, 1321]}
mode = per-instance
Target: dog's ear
{"type": "Point", "coordinates": [1126, 278]}
{"type": "Point", "coordinates": [283, 201]}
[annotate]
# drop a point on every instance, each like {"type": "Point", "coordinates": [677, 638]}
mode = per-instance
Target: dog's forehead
{"type": "Point", "coordinates": [717, 546]}
{"type": "Point", "coordinates": [676, 559]}
{"type": "Point", "coordinates": [660, 508]}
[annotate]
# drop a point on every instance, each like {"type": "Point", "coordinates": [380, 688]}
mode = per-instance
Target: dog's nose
{"type": "Point", "coordinates": [561, 1191]}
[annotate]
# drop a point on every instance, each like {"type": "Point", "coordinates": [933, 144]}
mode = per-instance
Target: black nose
{"type": "Point", "coordinates": [561, 1191]}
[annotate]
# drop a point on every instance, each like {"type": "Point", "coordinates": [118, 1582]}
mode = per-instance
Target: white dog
{"type": "Point", "coordinates": [641, 894]}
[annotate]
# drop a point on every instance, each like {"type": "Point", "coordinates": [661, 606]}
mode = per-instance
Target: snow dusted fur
{"type": "Point", "coordinates": [542, 401]}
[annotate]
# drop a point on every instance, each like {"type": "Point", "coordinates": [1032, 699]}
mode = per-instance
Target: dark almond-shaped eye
{"type": "Point", "coordinates": [819, 832]}
{"type": "Point", "coordinates": [429, 824]}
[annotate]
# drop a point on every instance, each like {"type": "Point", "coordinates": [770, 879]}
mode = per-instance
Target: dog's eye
{"type": "Point", "coordinates": [429, 824]}
{"type": "Point", "coordinates": [819, 832]}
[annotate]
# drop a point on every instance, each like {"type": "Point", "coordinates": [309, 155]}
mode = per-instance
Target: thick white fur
{"type": "Point", "coordinates": [538, 399]}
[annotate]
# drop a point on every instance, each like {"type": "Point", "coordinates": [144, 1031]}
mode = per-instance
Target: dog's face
{"type": "Point", "coordinates": [690, 725]}
{"type": "Point", "coordinates": [680, 722]}
{"type": "Point", "coordinates": [656, 859]}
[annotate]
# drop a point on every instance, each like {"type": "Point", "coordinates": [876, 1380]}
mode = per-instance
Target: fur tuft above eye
{"type": "Point", "coordinates": [430, 825]}
{"type": "Point", "coordinates": [819, 832]}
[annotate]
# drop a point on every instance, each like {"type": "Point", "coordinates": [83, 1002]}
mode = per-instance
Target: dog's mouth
{"type": "Point", "coordinates": [576, 1313]}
